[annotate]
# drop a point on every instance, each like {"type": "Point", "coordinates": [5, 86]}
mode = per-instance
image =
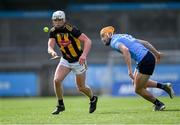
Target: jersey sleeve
{"type": "Point", "coordinates": [51, 33]}
{"type": "Point", "coordinates": [76, 32]}
{"type": "Point", "coordinates": [115, 44]}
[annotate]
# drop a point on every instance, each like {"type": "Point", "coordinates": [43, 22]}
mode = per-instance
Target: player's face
{"type": "Point", "coordinates": [105, 39]}
{"type": "Point", "coordinates": [58, 22]}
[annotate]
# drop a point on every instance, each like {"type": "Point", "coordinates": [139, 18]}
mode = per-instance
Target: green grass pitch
{"type": "Point", "coordinates": [110, 110]}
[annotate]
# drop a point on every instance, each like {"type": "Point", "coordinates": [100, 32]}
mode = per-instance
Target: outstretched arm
{"type": "Point", "coordinates": [127, 57]}
{"type": "Point", "coordinates": [87, 46]}
{"type": "Point", "coordinates": [151, 48]}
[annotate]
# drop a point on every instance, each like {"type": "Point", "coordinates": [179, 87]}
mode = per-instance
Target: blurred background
{"type": "Point", "coordinates": [25, 68]}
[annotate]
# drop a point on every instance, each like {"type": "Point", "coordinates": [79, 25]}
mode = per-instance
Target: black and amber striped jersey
{"type": "Point", "coordinates": [67, 39]}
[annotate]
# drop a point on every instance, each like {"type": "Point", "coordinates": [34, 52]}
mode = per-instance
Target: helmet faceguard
{"type": "Point", "coordinates": [58, 18]}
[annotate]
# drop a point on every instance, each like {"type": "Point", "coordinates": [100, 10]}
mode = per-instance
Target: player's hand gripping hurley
{"type": "Point", "coordinates": [55, 57]}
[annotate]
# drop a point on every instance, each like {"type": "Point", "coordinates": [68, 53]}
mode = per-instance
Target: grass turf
{"type": "Point", "coordinates": [110, 110]}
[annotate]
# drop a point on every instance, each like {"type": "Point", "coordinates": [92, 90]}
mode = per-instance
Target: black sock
{"type": "Point", "coordinates": [157, 102]}
{"type": "Point", "coordinates": [92, 98]}
{"type": "Point", "coordinates": [60, 102]}
{"type": "Point", "coordinates": [160, 85]}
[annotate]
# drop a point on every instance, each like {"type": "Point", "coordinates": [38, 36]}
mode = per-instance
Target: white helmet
{"type": "Point", "coordinates": [58, 15]}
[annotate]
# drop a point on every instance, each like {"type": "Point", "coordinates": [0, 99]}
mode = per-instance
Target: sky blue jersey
{"type": "Point", "coordinates": [136, 49]}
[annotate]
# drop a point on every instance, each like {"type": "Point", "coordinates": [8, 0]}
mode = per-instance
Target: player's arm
{"type": "Point", "coordinates": [51, 44]}
{"type": "Point", "coordinates": [151, 48]}
{"type": "Point", "coordinates": [127, 57]}
{"type": "Point", "coordinates": [87, 46]}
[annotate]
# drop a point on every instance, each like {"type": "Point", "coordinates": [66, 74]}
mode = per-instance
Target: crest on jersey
{"type": "Point", "coordinates": [63, 39]}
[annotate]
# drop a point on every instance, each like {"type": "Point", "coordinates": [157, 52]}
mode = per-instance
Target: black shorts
{"type": "Point", "coordinates": [147, 64]}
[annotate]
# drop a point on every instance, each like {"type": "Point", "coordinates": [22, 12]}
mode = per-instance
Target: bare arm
{"type": "Point", "coordinates": [87, 43]}
{"type": "Point", "coordinates": [151, 48]}
{"type": "Point", "coordinates": [51, 44]}
{"type": "Point", "coordinates": [87, 46]}
{"type": "Point", "coordinates": [127, 57]}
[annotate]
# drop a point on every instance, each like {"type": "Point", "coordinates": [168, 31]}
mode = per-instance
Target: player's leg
{"type": "Point", "coordinates": [80, 71]}
{"type": "Point", "coordinates": [85, 89]}
{"type": "Point", "coordinates": [60, 74]}
{"type": "Point", "coordinates": [154, 84]}
{"type": "Point", "coordinates": [164, 86]}
{"type": "Point", "coordinates": [140, 82]}
{"type": "Point", "coordinates": [82, 87]}
{"type": "Point", "coordinates": [150, 83]}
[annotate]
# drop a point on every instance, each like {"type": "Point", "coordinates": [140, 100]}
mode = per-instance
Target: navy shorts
{"type": "Point", "coordinates": [147, 64]}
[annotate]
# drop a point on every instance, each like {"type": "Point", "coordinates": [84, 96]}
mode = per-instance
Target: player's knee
{"type": "Point", "coordinates": [57, 81]}
{"type": "Point", "coordinates": [81, 88]}
{"type": "Point", "coordinates": [138, 90]}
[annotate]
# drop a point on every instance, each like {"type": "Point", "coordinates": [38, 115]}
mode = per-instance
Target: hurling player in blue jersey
{"type": "Point", "coordinates": [145, 55]}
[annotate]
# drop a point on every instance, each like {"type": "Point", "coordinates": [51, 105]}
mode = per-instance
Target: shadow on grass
{"type": "Point", "coordinates": [132, 112]}
{"type": "Point", "coordinates": [115, 112]}
{"type": "Point", "coordinates": [171, 110]}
